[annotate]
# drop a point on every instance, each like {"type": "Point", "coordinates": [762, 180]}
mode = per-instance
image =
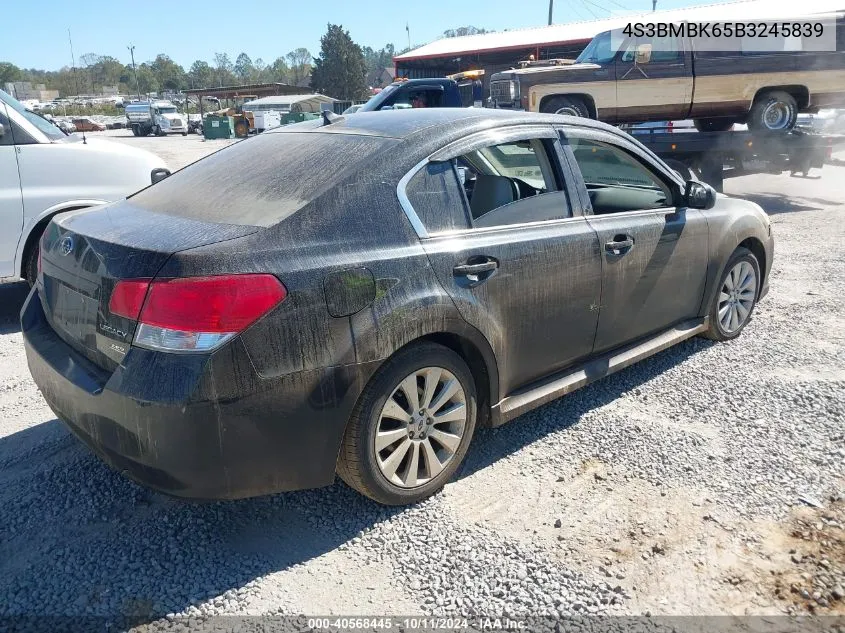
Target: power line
{"type": "Point", "coordinates": [593, 13]}
{"type": "Point", "coordinates": [597, 6]}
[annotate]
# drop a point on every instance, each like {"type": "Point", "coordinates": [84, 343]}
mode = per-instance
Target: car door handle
{"type": "Point", "coordinates": [619, 244]}
{"type": "Point", "coordinates": [465, 270]}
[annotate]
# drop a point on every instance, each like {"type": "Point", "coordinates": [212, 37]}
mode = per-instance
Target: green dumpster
{"type": "Point", "coordinates": [218, 127]}
{"type": "Point", "coordinates": [298, 117]}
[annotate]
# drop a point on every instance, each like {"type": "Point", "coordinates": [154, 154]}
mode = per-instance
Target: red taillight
{"type": "Point", "coordinates": [195, 313]}
{"type": "Point", "coordinates": [211, 304]}
{"type": "Point", "coordinates": [127, 299]}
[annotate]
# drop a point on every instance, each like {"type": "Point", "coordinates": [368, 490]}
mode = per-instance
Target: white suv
{"type": "Point", "coordinates": [43, 171]}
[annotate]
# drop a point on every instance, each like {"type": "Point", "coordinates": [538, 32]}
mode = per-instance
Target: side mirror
{"type": "Point", "coordinates": [643, 53]}
{"type": "Point", "coordinates": [699, 195]}
{"type": "Point", "coordinates": [158, 174]}
{"type": "Point", "coordinates": [2, 130]}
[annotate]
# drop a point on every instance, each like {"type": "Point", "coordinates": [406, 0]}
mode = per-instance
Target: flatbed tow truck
{"type": "Point", "coordinates": [714, 156]}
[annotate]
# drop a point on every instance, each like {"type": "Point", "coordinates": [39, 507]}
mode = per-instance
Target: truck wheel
{"type": "Point", "coordinates": [411, 427]}
{"type": "Point", "coordinates": [571, 106]}
{"type": "Point", "coordinates": [773, 112]}
{"type": "Point", "coordinates": [156, 130]}
{"type": "Point", "coordinates": [136, 131]}
{"type": "Point", "coordinates": [714, 125]}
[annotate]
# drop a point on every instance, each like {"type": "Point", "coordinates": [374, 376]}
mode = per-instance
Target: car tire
{"type": "Point", "coordinates": [572, 106]}
{"type": "Point", "coordinates": [714, 125]}
{"type": "Point", "coordinates": [184, 134]}
{"type": "Point", "coordinates": [773, 112]}
{"type": "Point", "coordinates": [31, 266]}
{"type": "Point", "coordinates": [369, 469]}
{"type": "Point", "coordinates": [741, 303]}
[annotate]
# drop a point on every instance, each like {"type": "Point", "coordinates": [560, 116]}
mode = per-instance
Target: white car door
{"type": "Point", "coordinates": [11, 198]}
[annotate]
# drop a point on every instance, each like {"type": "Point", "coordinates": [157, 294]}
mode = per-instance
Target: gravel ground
{"type": "Point", "coordinates": [675, 487]}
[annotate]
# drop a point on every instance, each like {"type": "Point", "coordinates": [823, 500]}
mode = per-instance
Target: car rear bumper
{"type": "Point", "coordinates": [197, 426]}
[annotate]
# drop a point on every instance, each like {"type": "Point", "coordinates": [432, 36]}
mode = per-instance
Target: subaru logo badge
{"type": "Point", "coordinates": [66, 246]}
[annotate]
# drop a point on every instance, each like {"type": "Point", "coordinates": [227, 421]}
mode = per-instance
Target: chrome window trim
{"type": "Point", "coordinates": [505, 227]}
{"type": "Point", "coordinates": [499, 135]}
{"type": "Point", "coordinates": [405, 203]}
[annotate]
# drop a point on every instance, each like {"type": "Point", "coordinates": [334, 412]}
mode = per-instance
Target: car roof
{"type": "Point", "coordinates": [409, 122]}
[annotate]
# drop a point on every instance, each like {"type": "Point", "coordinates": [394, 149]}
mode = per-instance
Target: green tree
{"type": "Point", "coordinates": [464, 30]}
{"type": "Point", "coordinates": [340, 70]}
{"type": "Point", "coordinates": [169, 75]}
{"type": "Point", "coordinates": [377, 59]}
{"type": "Point", "coordinates": [201, 75]}
{"type": "Point", "coordinates": [243, 67]}
{"type": "Point", "coordinates": [147, 79]}
{"type": "Point", "coordinates": [9, 72]}
{"type": "Point", "coordinates": [299, 61]}
{"type": "Point", "coordinates": [223, 69]}
{"type": "Point", "coordinates": [279, 71]}
{"type": "Point", "coordinates": [260, 73]}
{"type": "Point", "coordinates": [89, 63]}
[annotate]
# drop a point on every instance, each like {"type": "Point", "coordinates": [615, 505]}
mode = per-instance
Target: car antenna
{"type": "Point", "coordinates": [76, 80]}
{"type": "Point", "coordinates": [330, 117]}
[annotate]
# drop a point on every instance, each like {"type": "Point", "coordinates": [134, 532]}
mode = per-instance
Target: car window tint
{"type": "Point", "coordinates": [511, 183]}
{"type": "Point", "coordinates": [616, 181]}
{"type": "Point", "coordinates": [435, 195]}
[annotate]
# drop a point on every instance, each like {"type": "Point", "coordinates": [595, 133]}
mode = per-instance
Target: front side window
{"type": "Point", "coordinates": [512, 183]}
{"type": "Point", "coordinates": [617, 181]}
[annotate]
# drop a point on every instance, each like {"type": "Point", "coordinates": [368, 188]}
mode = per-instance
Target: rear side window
{"type": "Point", "coordinates": [435, 195]}
{"type": "Point", "coordinates": [263, 180]}
{"type": "Point", "coordinates": [512, 183]}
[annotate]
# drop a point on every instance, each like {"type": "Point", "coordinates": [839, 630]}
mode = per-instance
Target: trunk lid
{"type": "Point", "coordinates": [85, 253]}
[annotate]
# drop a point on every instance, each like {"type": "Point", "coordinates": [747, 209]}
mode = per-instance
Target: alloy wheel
{"type": "Point", "coordinates": [736, 298]}
{"type": "Point", "coordinates": [420, 427]}
{"type": "Point", "coordinates": [777, 115]}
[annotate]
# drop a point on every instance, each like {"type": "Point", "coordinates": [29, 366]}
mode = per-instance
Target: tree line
{"type": "Point", "coordinates": [340, 70]}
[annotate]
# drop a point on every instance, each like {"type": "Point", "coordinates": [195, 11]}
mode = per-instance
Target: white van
{"type": "Point", "coordinates": [43, 171]}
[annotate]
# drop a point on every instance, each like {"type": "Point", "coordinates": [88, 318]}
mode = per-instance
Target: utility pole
{"type": "Point", "coordinates": [131, 48]}
{"type": "Point", "coordinates": [552, 7]}
{"type": "Point", "coordinates": [653, 6]}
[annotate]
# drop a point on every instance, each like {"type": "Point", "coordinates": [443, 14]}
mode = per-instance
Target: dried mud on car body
{"type": "Point", "coordinates": [670, 476]}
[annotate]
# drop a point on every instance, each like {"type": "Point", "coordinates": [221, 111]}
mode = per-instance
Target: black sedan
{"type": "Point", "coordinates": [370, 290]}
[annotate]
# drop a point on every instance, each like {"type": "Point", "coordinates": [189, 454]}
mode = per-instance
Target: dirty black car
{"type": "Point", "coordinates": [371, 291]}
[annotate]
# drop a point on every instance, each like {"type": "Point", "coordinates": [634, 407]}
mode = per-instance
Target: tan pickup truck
{"type": "Point", "coordinates": [657, 79]}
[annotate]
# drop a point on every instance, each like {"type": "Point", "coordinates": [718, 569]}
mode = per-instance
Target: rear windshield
{"type": "Point", "coordinates": [262, 180]}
